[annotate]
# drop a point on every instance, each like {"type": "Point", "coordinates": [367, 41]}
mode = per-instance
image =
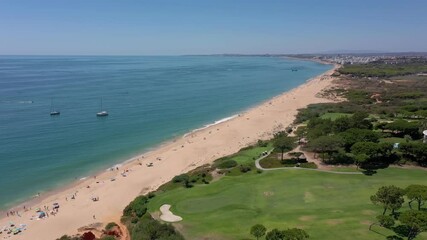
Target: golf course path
{"type": "Point", "coordinates": [257, 165]}
{"type": "Point", "coordinates": [167, 215]}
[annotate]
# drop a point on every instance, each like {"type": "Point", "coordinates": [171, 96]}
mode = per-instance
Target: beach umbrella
{"type": "Point", "coordinates": [42, 214]}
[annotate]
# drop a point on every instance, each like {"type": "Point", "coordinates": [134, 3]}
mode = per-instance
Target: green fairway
{"type": "Point", "coordinates": [327, 206]}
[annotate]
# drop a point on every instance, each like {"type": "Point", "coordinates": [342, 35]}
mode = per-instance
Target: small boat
{"type": "Point", "coordinates": [53, 112]}
{"type": "Point", "coordinates": [102, 113]}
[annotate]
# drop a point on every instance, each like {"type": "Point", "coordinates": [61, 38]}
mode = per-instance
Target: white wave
{"type": "Point", "coordinates": [114, 167]}
{"type": "Point", "coordinates": [212, 124]}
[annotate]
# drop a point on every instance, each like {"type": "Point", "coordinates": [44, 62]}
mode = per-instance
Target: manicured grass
{"type": "Point", "coordinates": [250, 155]}
{"type": "Point", "coordinates": [327, 206]}
{"type": "Point", "coordinates": [334, 116]}
{"type": "Point", "coordinates": [346, 169]}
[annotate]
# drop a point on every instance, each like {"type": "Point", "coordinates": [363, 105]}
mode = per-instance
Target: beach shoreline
{"type": "Point", "coordinates": [193, 149]}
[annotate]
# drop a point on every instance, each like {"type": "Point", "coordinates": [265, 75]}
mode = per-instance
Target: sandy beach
{"type": "Point", "coordinates": [117, 187]}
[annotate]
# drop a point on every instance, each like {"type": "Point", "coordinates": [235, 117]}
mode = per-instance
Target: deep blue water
{"type": "Point", "coordinates": [149, 99]}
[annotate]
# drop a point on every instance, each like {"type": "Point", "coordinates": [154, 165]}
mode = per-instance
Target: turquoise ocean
{"type": "Point", "coordinates": [149, 99]}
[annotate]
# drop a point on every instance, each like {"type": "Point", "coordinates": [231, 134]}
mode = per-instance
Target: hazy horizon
{"type": "Point", "coordinates": [192, 27]}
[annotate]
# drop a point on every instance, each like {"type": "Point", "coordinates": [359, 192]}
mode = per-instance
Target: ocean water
{"type": "Point", "coordinates": [149, 99]}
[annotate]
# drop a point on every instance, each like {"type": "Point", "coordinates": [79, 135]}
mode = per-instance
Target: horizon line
{"type": "Point", "coordinates": [214, 54]}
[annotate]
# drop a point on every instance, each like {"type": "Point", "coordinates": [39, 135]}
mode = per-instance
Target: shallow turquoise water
{"type": "Point", "coordinates": [149, 99]}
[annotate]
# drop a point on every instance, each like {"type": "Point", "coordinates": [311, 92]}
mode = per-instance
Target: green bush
{"type": "Point", "coordinates": [110, 225]}
{"type": "Point", "coordinates": [181, 178]}
{"type": "Point", "coordinates": [247, 148]}
{"type": "Point", "coordinates": [151, 195]}
{"type": "Point", "coordinates": [262, 143]}
{"type": "Point", "coordinates": [148, 228]}
{"type": "Point", "coordinates": [308, 165]}
{"type": "Point", "coordinates": [66, 237]}
{"type": "Point", "coordinates": [227, 164]}
{"type": "Point", "coordinates": [291, 161]}
{"type": "Point", "coordinates": [137, 208]}
{"type": "Point", "coordinates": [245, 168]}
{"type": "Point", "coordinates": [108, 238]}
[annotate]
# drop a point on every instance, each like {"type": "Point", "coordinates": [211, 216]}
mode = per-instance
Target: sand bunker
{"type": "Point", "coordinates": [167, 215]}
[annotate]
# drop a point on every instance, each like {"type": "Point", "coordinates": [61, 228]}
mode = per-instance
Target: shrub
{"type": "Point", "coordinates": [259, 171]}
{"type": "Point", "coordinates": [151, 195]}
{"type": "Point", "coordinates": [66, 237]}
{"type": "Point", "coordinates": [262, 143]}
{"type": "Point", "coordinates": [247, 148]}
{"type": "Point", "coordinates": [110, 225]}
{"type": "Point", "coordinates": [188, 184]}
{"type": "Point", "coordinates": [108, 238]}
{"type": "Point", "coordinates": [181, 178]}
{"type": "Point", "coordinates": [245, 168]}
{"type": "Point", "coordinates": [308, 165]}
{"type": "Point", "coordinates": [292, 161]}
{"type": "Point", "coordinates": [227, 164]}
{"type": "Point", "coordinates": [137, 208]}
{"type": "Point", "coordinates": [148, 228]}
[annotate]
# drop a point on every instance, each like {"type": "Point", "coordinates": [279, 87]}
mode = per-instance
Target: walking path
{"type": "Point", "coordinates": [257, 165]}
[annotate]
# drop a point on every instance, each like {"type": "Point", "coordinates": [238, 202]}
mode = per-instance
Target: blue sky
{"type": "Point", "coordinates": [173, 27]}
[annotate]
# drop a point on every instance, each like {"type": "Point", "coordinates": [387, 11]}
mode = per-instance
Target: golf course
{"type": "Point", "coordinates": [325, 205]}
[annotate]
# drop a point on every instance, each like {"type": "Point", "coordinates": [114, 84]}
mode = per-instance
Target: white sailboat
{"type": "Point", "coordinates": [102, 113]}
{"type": "Point", "coordinates": [53, 112]}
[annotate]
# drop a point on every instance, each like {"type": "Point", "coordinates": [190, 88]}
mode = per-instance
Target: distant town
{"type": "Point", "coordinates": [387, 58]}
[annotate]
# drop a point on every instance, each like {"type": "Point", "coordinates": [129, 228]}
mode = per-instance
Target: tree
{"type": "Point", "coordinates": [402, 128]}
{"type": "Point", "coordinates": [416, 222]}
{"type": "Point", "coordinates": [415, 151]}
{"type": "Point", "coordinates": [284, 144]}
{"type": "Point", "coordinates": [359, 120]}
{"type": "Point", "coordinates": [274, 234]}
{"type": "Point", "coordinates": [360, 159]}
{"type": "Point", "coordinates": [384, 148]}
{"type": "Point", "coordinates": [370, 149]}
{"type": "Point", "coordinates": [354, 135]}
{"type": "Point", "coordinates": [383, 221]}
{"type": "Point", "coordinates": [416, 193]}
{"type": "Point", "coordinates": [301, 132]}
{"type": "Point", "coordinates": [325, 144]}
{"type": "Point", "coordinates": [294, 234]}
{"type": "Point", "coordinates": [342, 124]}
{"type": "Point", "coordinates": [319, 127]}
{"type": "Point", "coordinates": [258, 230]}
{"type": "Point", "coordinates": [389, 197]}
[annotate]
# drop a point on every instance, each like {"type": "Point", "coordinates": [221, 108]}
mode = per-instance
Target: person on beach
{"type": "Point", "coordinates": [94, 217]}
